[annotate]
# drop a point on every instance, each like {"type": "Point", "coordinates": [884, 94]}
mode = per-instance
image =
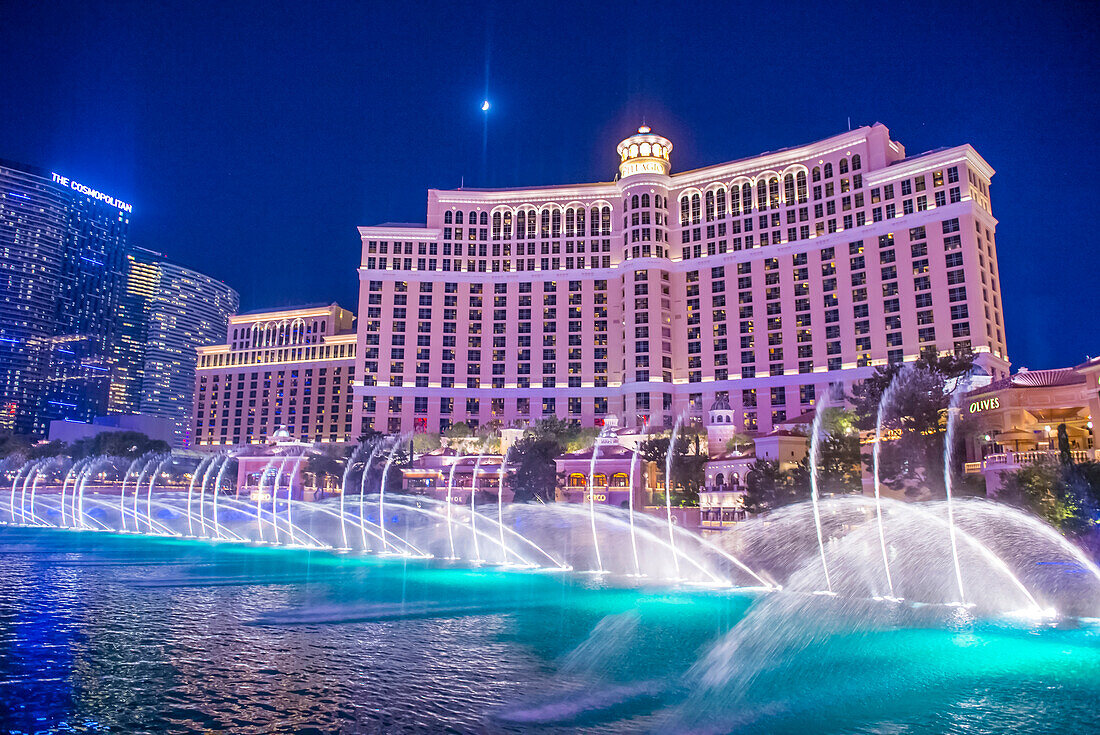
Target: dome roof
{"type": "Point", "coordinates": [1047, 378]}
{"type": "Point", "coordinates": [721, 403]}
{"type": "Point", "coordinates": [644, 152]}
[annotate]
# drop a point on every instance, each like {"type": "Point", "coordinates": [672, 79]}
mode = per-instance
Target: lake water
{"type": "Point", "coordinates": [110, 633]}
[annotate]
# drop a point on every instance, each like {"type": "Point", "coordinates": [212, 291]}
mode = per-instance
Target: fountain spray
{"type": "Point", "coordinates": [884, 402]}
{"type": "Point", "coordinates": [592, 499]}
{"type": "Point", "coordinates": [815, 438]}
{"type": "Point", "coordinates": [668, 490]}
{"type": "Point", "coordinates": [633, 532]}
{"type": "Point", "coordinates": [953, 412]}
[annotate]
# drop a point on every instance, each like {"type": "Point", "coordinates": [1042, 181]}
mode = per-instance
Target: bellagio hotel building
{"type": "Point", "coordinates": [766, 279]}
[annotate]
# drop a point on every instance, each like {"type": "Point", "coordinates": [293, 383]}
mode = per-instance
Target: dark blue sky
{"type": "Point", "coordinates": [252, 138]}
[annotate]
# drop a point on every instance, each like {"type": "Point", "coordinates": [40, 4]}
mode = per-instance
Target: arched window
{"type": "Point", "coordinates": [720, 201]}
{"type": "Point", "coordinates": [788, 189]}
{"type": "Point", "coordinates": [484, 218]}
{"type": "Point", "coordinates": [448, 218]}
{"type": "Point", "coordinates": [569, 223]}
{"type": "Point", "coordinates": [545, 223]}
{"type": "Point", "coordinates": [773, 192]}
{"type": "Point", "coordinates": [735, 200]}
{"type": "Point", "coordinates": [634, 202]}
{"type": "Point", "coordinates": [684, 209]}
{"type": "Point", "coordinates": [620, 479]}
{"type": "Point", "coordinates": [719, 480]}
{"type": "Point", "coordinates": [761, 194]}
{"type": "Point", "coordinates": [605, 217]}
{"type": "Point", "coordinates": [472, 219]}
{"type": "Point", "coordinates": [577, 480]}
{"type": "Point", "coordinates": [521, 224]}
{"type": "Point", "coordinates": [746, 197]}
{"type": "Point", "coordinates": [496, 225]}
{"type": "Point", "coordinates": [843, 165]}
{"type": "Point", "coordinates": [856, 163]}
{"type": "Point", "coordinates": [322, 327]}
{"type": "Point", "coordinates": [645, 200]}
{"type": "Point", "coordinates": [599, 480]}
{"type": "Point", "coordinates": [580, 223]}
{"type": "Point", "coordinates": [801, 180]}
{"type": "Point", "coordinates": [696, 201]}
{"type": "Point", "coordinates": [458, 218]}
{"type": "Point", "coordinates": [594, 224]}
{"type": "Point", "coordinates": [817, 174]}
{"type": "Point", "coordinates": [828, 170]}
{"type": "Point", "coordinates": [710, 206]}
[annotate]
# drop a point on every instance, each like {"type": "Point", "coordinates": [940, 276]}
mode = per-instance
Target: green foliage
{"type": "Point", "coordinates": [129, 444]}
{"type": "Point", "coordinates": [532, 458]}
{"type": "Point", "coordinates": [458, 431]}
{"type": "Point", "coordinates": [56, 448]}
{"type": "Point", "coordinates": [839, 467]}
{"type": "Point", "coordinates": [534, 474]}
{"type": "Point", "coordinates": [688, 466]}
{"type": "Point", "coordinates": [739, 443]}
{"type": "Point", "coordinates": [767, 487]}
{"type": "Point", "coordinates": [915, 420]}
{"type": "Point", "coordinates": [424, 443]}
{"type": "Point", "coordinates": [324, 467]}
{"type": "Point", "coordinates": [1065, 495]}
{"type": "Point", "coordinates": [14, 444]}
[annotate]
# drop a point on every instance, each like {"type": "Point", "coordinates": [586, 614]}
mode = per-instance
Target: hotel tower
{"type": "Point", "coordinates": [762, 281]}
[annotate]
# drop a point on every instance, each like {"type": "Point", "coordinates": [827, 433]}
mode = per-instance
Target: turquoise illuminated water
{"type": "Point", "coordinates": [107, 633]}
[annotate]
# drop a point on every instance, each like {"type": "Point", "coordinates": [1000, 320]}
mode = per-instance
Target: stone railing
{"type": "Point", "coordinates": [1013, 460]}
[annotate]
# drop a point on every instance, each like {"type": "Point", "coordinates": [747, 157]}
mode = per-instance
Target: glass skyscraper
{"type": "Point", "coordinates": [33, 229]}
{"type": "Point", "coordinates": [88, 325]}
{"type": "Point", "coordinates": [168, 311]}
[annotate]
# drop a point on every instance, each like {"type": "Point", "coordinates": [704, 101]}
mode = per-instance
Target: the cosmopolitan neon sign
{"type": "Point", "coordinates": [93, 193]}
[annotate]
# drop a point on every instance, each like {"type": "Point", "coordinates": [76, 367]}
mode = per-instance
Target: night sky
{"type": "Point", "coordinates": [252, 138]}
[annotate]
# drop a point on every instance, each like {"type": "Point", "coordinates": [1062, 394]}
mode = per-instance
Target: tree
{"type": "Point", "coordinates": [458, 431]}
{"type": "Point", "coordinates": [767, 487]}
{"type": "Point", "coordinates": [739, 443]}
{"type": "Point", "coordinates": [688, 466]}
{"type": "Point", "coordinates": [48, 449]}
{"type": "Point", "coordinates": [129, 444]}
{"type": "Point", "coordinates": [324, 466]}
{"type": "Point", "coordinates": [534, 475]}
{"type": "Point", "coordinates": [914, 419]}
{"type": "Point", "coordinates": [424, 443]}
{"type": "Point", "coordinates": [1067, 496]}
{"type": "Point", "coordinates": [14, 444]}
{"type": "Point", "coordinates": [839, 460]}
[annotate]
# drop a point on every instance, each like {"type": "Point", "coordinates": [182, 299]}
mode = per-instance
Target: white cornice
{"type": "Point", "coordinates": [925, 162]}
{"type": "Point", "coordinates": [774, 160]}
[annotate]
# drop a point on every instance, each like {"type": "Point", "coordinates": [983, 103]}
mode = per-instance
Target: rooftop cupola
{"type": "Point", "coordinates": [644, 153]}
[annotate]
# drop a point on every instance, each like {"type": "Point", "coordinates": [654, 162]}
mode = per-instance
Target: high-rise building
{"type": "Point", "coordinates": [287, 371]}
{"type": "Point", "coordinates": [167, 313]}
{"type": "Point", "coordinates": [33, 220]}
{"type": "Point", "coordinates": [63, 256]}
{"type": "Point", "coordinates": [760, 282]}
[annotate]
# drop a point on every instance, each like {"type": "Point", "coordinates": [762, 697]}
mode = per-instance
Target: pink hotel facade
{"type": "Point", "coordinates": [765, 279]}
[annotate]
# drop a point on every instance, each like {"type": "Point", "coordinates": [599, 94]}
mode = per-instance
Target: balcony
{"type": "Point", "coordinates": [1008, 461]}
